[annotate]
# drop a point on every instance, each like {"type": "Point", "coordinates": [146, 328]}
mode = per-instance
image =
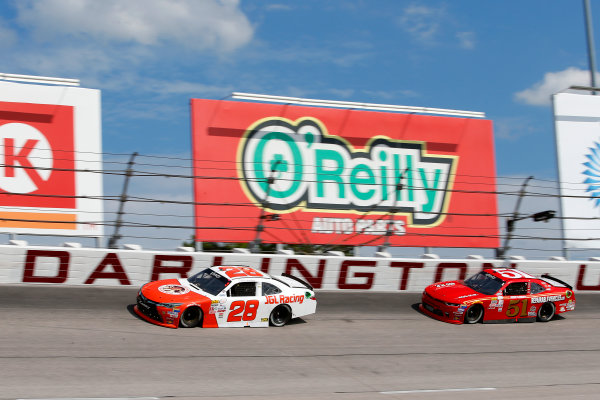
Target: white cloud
{"type": "Point", "coordinates": [279, 7]}
{"type": "Point", "coordinates": [209, 24]}
{"type": "Point", "coordinates": [342, 93]}
{"type": "Point", "coordinates": [553, 82]}
{"type": "Point", "coordinates": [421, 22]}
{"type": "Point", "coordinates": [513, 128]}
{"type": "Point", "coordinates": [390, 95]}
{"type": "Point", "coordinates": [7, 36]}
{"type": "Point", "coordinates": [466, 40]}
{"type": "Point", "coordinates": [429, 25]}
{"type": "Point", "coordinates": [186, 87]}
{"type": "Point", "coordinates": [52, 61]}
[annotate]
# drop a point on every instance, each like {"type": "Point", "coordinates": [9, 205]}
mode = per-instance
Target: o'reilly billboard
{"type": "Point", "coordinates": [330, 176]}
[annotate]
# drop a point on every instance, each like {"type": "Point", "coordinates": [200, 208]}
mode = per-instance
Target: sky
{"type": "Point", "coordinates": [149, 57]}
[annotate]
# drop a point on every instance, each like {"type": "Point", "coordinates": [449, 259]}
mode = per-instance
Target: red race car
{"type": "Point", "coordinates": [498, 295]}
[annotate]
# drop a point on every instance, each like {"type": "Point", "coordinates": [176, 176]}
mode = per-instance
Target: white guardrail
{"type": "Point", "coordinates": [131, 266]}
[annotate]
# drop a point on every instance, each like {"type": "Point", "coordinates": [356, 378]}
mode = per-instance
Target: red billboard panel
{"type": "Point", "coordinates": [29, 134]}
{"type": "Point", "coordinates": [50, 142]}
{"type": "Point", "coordinates": [310, 175]}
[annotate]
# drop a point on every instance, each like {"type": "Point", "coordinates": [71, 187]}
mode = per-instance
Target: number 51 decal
{"type": "Point", "coordinates": [242, 310]}
{"type": "Point", "coordinates": [514, 308]}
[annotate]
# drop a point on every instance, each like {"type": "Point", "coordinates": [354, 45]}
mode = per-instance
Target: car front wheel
{"type": "Point", "coordinates": [191, 317]}
{"type": "Point", "coordinates": [474, 314]}
{"type": "Point", "coordinates": [280, 315]}
{"type": "Point", "coordinates": [546, 312]}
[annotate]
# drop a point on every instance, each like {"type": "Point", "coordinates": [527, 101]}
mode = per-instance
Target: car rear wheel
{"type": "Point", "coordinates": [474, 314]}
{"type": "Point", "coordinates": [191, 317]}
{"type": "Point", "coordinates": [280, 315]}
{"type": "Point", "coordinates": [546, 312]}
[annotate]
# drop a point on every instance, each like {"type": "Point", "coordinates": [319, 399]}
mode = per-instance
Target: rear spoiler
{"type": "Point", "coordinates": [298, 280]}
{"type": "Point", "coordinates": [547, 276]}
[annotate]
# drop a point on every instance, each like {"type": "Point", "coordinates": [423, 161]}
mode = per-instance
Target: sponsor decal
{"type": "Point", "coordinates": [281, 299]}
{"type": "Point", "coordinates": [543, 299]}
{"type": "Point", "coordinates": [496, 303]}
{"type": "Point", "coordinates": [348, 226]}
{"type": "Point", "coordinates": [37, 154]}
{"type": "Point", "coordinates": [443, 285]}
{"type": "Point", "coordinates": [467, 295]}
{"type": "Point", "coordinates": [217, 307]}
{"type": "Point", "coordinates": [264, 320]}
{"type": "Point", "coordinates": [298, 165]}
{"type": "Point", "coordinates": [569, 294]}
{"type": "Point", "coordinates": [173, 289]}
{"type": "Point", "coordinates": [591, 175]}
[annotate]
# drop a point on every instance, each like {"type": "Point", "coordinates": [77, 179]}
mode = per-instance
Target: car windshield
{"type": "Point", "coordinates": [209, 281]}
{"type": "Point", "coordinates": [485, 283]}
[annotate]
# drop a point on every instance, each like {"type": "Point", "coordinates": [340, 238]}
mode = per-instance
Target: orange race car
{"type": "Point", "coordinates": [226, 296]}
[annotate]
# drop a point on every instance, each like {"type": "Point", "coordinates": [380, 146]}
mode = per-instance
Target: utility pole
{"type": "Point", "coordinates": [590, 42]}
{"type": "Point", "coordinates": [255, 244]}
{"type": "Point", "coordinates": [112, 243]}
{"type": "Point", "coordinates": [386, 243]}
{"type": "Point", "coordinates": [544, 216]}
{"type": "Point", "coordinates": [510, 222]}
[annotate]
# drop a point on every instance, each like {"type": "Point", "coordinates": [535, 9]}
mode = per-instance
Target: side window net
{"type": "Point", "coordinates": [536, 288]}
{"type": "Point", "coordinates": [243, 289]}
{"type": "Point", "coordinates": [516, 289]}
{"type": "Point", "coordinates": [269, 289]}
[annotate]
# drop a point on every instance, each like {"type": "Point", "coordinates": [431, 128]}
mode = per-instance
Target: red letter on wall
{"type": "Point", "coordinates": [580, 285]}
{"type": "Point", "coordinates": [63, 267]}
{"type": "Point", "coordinates": [342, 280]}
{"type": "Point", "coordinates": [442, 266]}
{"type": "Point", "coordinates": [117, 273]}
{"type": "Point", "coordinates": [186, 266]}
{"type": "Point", "coordinates": [314, 281]}
{"type": "Point", "coordinates": [406, 267]}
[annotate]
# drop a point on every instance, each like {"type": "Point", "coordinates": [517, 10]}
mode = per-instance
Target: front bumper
{"type": "Point", "coordinates": [156, 313]}
{"type": "Point", "coordinates": [442, 311]}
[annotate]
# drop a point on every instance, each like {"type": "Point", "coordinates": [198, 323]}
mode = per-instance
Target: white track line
{"type": "Point", "coordinates": [437, 390]}
{"type": "Point", "coordinates": [96, 398]}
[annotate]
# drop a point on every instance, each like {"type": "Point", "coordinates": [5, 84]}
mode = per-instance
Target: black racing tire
{"type": "Point", "coordinates": [546, 312]}
{"type": "Point", "coordinates": [474, 314]}
{"type": "Point", "coordinates": [280, 315]}
{"type": "Point", "coordinates": [191, 317]}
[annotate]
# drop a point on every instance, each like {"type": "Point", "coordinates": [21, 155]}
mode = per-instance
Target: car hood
{"type": "Point", "coordinates": [171, 291]}
{"type": "Point", "coordinates": [452, 292]}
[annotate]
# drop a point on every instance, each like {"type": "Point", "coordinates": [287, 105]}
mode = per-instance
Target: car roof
{"type": "Point", "coordinates": [518, 274]}
{"type": "Point", "coordinates": [234, 272]}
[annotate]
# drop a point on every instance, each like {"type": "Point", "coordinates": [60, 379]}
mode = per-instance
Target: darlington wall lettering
{"type": "Point", "coordinates": [108, 267]}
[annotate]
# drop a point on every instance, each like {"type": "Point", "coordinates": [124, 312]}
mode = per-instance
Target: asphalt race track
{"type": "Point", "coordinates": [84, 342]}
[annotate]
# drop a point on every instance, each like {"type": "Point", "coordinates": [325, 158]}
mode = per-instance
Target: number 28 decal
{"type": "Point", "coordinates": [239, 272]}
{"type": "Point", "coordinates": [242, 310]}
